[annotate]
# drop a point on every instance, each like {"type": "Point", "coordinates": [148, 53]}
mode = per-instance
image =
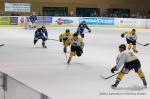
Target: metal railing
{"type": "Point", "coordinates": [10, 88]}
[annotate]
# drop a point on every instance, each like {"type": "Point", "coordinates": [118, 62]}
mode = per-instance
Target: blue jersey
{"type": "Point", "coordinates": [33, 18]}
{"type": "Point", "coordinates": [41, 33]}
{"type": "Point", "coordinates": [81, 28]}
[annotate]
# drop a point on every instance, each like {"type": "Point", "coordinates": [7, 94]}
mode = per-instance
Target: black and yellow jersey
{"type": "Point", "coordinates": [65, 35]}
{"type": "Point", "coordinates": [71, 41]}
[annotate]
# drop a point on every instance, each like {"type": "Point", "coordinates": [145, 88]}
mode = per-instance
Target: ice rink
{"type": "Point", "coordinates": [46, 71]}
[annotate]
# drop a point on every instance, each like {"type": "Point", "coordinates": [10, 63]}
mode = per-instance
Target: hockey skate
{"type": "Point", "coordinates": [115, 85]}
{"type": "Point", "coordinates": [135, 51]}
{"type": "Point", "coordinates": [144, 83]}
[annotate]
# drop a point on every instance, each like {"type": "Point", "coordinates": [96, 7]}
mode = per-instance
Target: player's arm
{"type": "Point", "coordinates": [119, 62]}
{"type": "Point", "coordinates": [123, 34]}
{"type": "Point", "coordinates": [81, 43]}
{"type": "Point", "coordinates": [67, 42]}
{"type": "Point", "coordinates": [89, 30]}
{"type": "Point", "coordinates": [36, 32]}
{"type": "Point", "coordinates": [61, 37]}
{"type": "Point", "coordinates": [78, 29]}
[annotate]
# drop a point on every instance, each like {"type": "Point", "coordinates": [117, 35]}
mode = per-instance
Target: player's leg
{"type": "Point", "coordinates": [79, 51]}
{"type": "Point", "coordinates": [127, 67]}
{"type": "Point", "coordinates": [134, 47]}
{"type": "Point", "coordinates": [35, 40]}
{"type": "Point", "coordinates": [65, 48]}
{"type": "Point", "coordinates": [82, 35]}
{"type": "Point", "coordinates": [72, 53]}
{"type": "Point", "coordinates": [129, 44]}
{"type": "Point", "coordinates": [140, 73]}
{"type": "Point", "coordinates": [43, 42]}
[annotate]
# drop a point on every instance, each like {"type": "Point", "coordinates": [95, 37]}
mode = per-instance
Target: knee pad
{"type": "Point", "coordinates": [129, 46]}
{"type": "Point", "coordinates": [140, 74]}
{"type": "Point", "coordinates": [72, 54]}
{"type": "Point", "coordinates": [120, 75]}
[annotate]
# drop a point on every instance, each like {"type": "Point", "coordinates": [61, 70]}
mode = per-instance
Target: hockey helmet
{"type": "Point", "coordinates": [67, 30]}
{"type": "Point", "coordinates": [43, 26]}
{"type": "Point", "coordinates": [133, 30]}
{"type": "Point", "coordinates": [83, 22]}
{"type": "Point", "coordinates": [75, 34]}
{"type": "Point", "coordinates": [122, 46]}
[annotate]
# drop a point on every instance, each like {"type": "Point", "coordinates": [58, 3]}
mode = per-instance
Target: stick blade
{"type": "Point", "coordinates": [2, 44]}
{"type": "Point", "coordinates": [146, 44]}
{"type": "Point", "coordinates": [103, 77]}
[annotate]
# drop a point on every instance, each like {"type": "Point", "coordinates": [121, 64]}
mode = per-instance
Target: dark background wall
{"type": "Point", "coordinates": [141, 7]}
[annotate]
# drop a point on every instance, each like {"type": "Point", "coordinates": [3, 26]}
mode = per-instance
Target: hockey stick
{"type": "Point", "coordinates": [108, 76]}
{"type": "Point", "coordinates": [52, 39]}
{"type": "Point", "coordinates": [143, 44]}
{"type": "Point", "coordinates": [2, 45]}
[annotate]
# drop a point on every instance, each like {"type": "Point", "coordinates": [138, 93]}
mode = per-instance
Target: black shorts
{"type": "Point", "coordinates": [82, 35]}
{"type": "Point", "coordinates": [77, 49]}
{"type": "Point", "coordinates": [43, 38]}
{"type": "Point", "coordinates": [130, 41]}
{"type": "Point", "coordinates": [136, 65]}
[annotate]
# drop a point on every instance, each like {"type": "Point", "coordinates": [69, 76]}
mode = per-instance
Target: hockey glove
{"type": "Point", "coordinates": [60, 40]}
{"type": "Point", "coordinates": [113, 69]}
{"type": "Point", "coordinates": [89, 31]}
{"type": "Point", "coordinates": [122, 35]}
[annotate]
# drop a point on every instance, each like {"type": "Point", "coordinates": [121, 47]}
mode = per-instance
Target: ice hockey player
{"type": "Point", "coordinates": [76, 44]}
{"type": "Point", "coordinates": [129, 61]}
{"type": "Point", "coordinates": [81, 28]}
{"type": "Point", "coordinates": [41, 33]}
{"type": "Point", "coordinates": [63, 38]}
{"type": "Point", "coordinates": [33, 20]}
{"type": "Point", "coordinates": [131, 38]}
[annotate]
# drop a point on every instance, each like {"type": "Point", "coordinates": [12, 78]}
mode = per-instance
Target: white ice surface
{"type": "Point", "coordinates": [46, 70]}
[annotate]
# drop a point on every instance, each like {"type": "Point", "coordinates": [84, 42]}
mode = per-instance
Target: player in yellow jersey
{"type": "Point", "coordinates": [131, 38]}
{"type": "Point", "coordinates": [77, 46]}
{"type": "Point", "coordinates": [63, 38]}
{"type": "Point", "coordinates": [129, 61]}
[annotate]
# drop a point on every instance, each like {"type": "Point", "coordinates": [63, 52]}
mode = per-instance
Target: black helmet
{"type": "Point", "coordinates": [122, 46]}
{"type": "Point", "coordinates": [43, 26]}
{"type": "Point", "coordinates": [67, 30]}
{"type": "Point", "coordinates": [133, 30]}
{"type": "Point", "coordinates": [75, 34]}
{"type": "Point", "coordinates": [83, 22]}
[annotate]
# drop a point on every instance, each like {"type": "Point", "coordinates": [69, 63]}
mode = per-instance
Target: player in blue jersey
{"type": "Point", "coordinates": [41, 33]}
{"type": "Point", "coordinates": [82, 26]}
{"type": "Point", "coordinates": [33, 21]}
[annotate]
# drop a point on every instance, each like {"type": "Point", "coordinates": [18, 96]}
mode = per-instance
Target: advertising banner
{"type": "Point", "coordinates": [98, 21]}
{"type": "Point", "coordinates": [13, 20]}
{"type": "Point", "coordinates": [148, 23]}
{"type": "Point", "coordinates": [65, 21]}
{"type": "Point", "coordinates": [17, 7]}
{"type": "Point", "coordinates": [44, 20]}
{"type": "Point", "coordinates": [4, 20]}
{"type": "Point", "coordinates": [130, 22]}
{"type": "Point", "coordinates": [22, 20]}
